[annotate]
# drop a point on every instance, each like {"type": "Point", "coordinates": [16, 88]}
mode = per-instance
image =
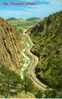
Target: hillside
{"type": "Point", "coordinates": [47, 38]}
{"type": "Point", "coordinates": [9, 46]}
{"type": "Point", "coordinates": [34, 19]}
{"type": "Point", "coordinates": [12, 18]}
{"type": "Point", "coordinates": [21, 24]}
{"type": "Point", "coordinates": [10, 60]}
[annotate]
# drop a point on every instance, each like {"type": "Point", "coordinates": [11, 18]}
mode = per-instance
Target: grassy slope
{"type": "Point", "coordinates": [47, 39]}
{"type": "Point", "coordinates": [10, 82]}
{"type": "Point", "coordinates": [21, 24]}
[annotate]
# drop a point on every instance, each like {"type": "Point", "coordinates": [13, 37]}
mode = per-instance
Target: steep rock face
{"type": "Point", "coordinates": [9, 46]}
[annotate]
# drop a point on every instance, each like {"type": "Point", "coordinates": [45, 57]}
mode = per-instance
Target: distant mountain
{"type": "Point", "coordinates": [14, 19]}
{"type": "Point", "coordinates": [11, 18]}
{"type": "Point", "coordinates": [21, 24]}
{"type": "Point", "coordinates": [33, 19]}
{"type": "Point", "coordinates": [29, 19]}
{"type": "Point", "coordinates": [47, 38]}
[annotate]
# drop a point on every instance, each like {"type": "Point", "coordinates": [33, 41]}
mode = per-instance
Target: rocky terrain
{"type": "Point", "coordinates": [10, 60]}
{"type": "Point", "coordinates": [9, 46]}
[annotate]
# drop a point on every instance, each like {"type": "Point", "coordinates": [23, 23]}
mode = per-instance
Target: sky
{"type": "Point", "coordinates": [29, 8]}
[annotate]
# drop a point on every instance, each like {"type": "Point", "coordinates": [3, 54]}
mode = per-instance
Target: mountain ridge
{"type": "Point", "coordinates": [47, 38]}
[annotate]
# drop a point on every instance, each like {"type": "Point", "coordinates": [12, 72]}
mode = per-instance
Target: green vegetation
{"type": "Point", "coordinates": [21, 24]}
{"type": "Point", "coordinates": [39, 94]}
{"type": "Point", "coordinates": [49, 94]}
{"type": "Point", "coordinates": [45, 94]}
{"type": "Point", "coordinates": [47, 39]}
{"type": "Point", "coordinates": [10, 82]}
{"type": "Point", "coordinates": [27, 84]}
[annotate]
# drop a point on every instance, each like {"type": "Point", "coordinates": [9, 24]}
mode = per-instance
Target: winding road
{"type": "Point", "coordinates": [30, 67]}
{"type": "Point", "coordinates": [31, 70]}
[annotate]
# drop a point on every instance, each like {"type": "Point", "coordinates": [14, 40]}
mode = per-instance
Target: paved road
{"type": "Point", "coordinates": [32, 64]}
{"type": "Point", "coordinates": [31, 68]}
{"type": "Point", "coordinates": [31, 72]}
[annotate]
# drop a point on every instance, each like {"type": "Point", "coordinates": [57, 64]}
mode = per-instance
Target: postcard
{"type": "Point", "coordinates": [30, 49]}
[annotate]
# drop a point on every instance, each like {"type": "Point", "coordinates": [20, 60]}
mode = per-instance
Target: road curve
{"type": "Point", "coordinates": [31, 69]}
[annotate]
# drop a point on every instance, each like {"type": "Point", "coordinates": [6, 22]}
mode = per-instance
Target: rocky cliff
{"type": "Point", "coordinates": [9, 46]}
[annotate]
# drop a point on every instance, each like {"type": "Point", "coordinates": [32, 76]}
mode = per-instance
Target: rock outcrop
{"type": "Point", "coordinates": [9, 46]}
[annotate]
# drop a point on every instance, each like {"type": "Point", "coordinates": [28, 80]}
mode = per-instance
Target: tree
{"type": "Point", "coordinates": [39, 94]}
{"type": "Point", "coordinates": [50, 94]}
{"type": "Point", "coordinates": [27, 84]}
